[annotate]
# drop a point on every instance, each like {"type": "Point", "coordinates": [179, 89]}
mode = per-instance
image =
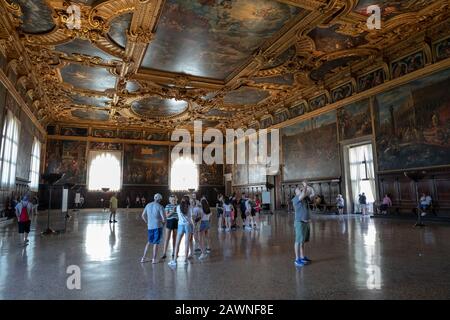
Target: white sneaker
{"type": "Point", "coordinates": [227, 230]}
{"type": "Point", "coordinates": [423, 214]}
{"type": "Point", "coordinates": [202, 256]}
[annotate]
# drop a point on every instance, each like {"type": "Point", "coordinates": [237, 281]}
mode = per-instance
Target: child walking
{"type": "Point", "coordinates": [24, 211]}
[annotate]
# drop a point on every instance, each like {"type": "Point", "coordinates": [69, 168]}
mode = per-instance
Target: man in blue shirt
{"type": "Point", "coordinates": [301, 222]}
{"type": "Point", "coordinates": [154, 217]}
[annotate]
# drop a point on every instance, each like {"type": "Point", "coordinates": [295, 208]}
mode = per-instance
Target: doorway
{"type": "Point", "coordinates": [360, 176]}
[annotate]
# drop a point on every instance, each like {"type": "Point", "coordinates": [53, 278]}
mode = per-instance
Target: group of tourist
{"type": "Point", "coordinates": [227, 212]}
{"type": "Point", "coordinates": [190, 219]}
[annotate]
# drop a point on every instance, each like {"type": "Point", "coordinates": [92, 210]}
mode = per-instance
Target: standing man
{"type": "Point", "coordinates": [23, 212]}
{"type": "Point", "coordinates": [363, 203]}
{"type": "Point", "coordinates": [302, 222]}
{"type": "Point", "coordinates": [243, 208]}
{"type": "Point", "coordinates": [113, 208]}
{"type": "Point", "coordinates": [153, 215]}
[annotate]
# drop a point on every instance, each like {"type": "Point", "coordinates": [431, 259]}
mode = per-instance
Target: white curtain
{"type": "Point", "coordinates": [8, 152]}
{"type": "Point", "coordinates": [362, 174]}
{"type": "Point", "coordinates": [105, 170]}
{"type": "Point", "coordinates": [35, 163]}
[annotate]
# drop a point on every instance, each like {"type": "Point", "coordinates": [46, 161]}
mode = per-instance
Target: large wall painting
{"type": "Point", "coordinates": [310, 149]}
{"type": "Point", "coordinates": [67, 157]}
{"type": "Point", "coordinates": [211, 175]}
{"type": "Point", "coordinates": [355, 120]}
{"type": "Point", "coordinates": [413, 124]}
{"type": "Point", "coordinates": [146, 164]}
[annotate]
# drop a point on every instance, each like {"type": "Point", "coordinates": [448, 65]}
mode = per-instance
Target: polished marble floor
{"type": "Point", "coordinates": [354, 257]}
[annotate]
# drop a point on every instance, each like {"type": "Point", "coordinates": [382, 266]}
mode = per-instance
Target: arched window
{"type": "Point", "coordinates": [8, 152]}
{"type": "Point", "coordinates": [105, 170]}
{"type": "Point", "coordinates": [184, 175]}
{"type": "Point", "coordinates": [34, 166]}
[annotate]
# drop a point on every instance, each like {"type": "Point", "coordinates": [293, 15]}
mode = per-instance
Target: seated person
{"type": "Point", "coordinates": [387, 202]}
{"type": "Point", "coordinates": [424, 203]}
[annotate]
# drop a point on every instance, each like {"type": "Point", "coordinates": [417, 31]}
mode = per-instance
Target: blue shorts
{"type": "Point", "coordinates": [155, 235]}
{"type": "Point", "coordinates": [184, 228]}
{"type": "Point", "coordinates": [204, 226]}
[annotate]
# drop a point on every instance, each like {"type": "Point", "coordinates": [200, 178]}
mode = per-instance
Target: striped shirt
{"type": "Point", "coordinates": [171, 211]}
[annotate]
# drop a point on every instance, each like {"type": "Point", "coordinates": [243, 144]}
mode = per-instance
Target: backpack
{"type": "Point", "coordinates": [24, 215]}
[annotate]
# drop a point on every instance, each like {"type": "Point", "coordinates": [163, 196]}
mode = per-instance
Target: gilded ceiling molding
{"type": "Point", "coordinates": [306, 4]}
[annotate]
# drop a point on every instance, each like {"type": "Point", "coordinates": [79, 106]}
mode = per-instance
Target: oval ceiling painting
{"type": "Point", "coordinates": [156, 107]}
{"type": "Point", "coordinates": [94, 115]}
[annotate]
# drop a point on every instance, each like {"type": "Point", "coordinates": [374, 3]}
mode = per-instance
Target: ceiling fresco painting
{"type": "Point", "coordinates": [37, 16]}
{"type": "Point", "coordinates": [155, 107]}
{"type": "Point", "coordinates": [93, 115]}
{"type": "Point", "coordinates": [328, 40]}
{"type": "Point", "coordinates": [100, 102]}
{"type": "Point", "coordinates": [119, 28]}
{"type": "Point", "coordinates": [84, 47]}
{"type": "Point", "coordinates": [327, 67]}
{"type": "Point", "coordinates": [89, 78]}
{"type": "Point", "coordinates": [281, 59]}
{"type": "Point", "coordinates": [390, 9]}
{"type": "Point", "coordinates": [284, 79]}
{"type": "Point", "coordinates": [229, 63]}
{"type": "Point", "coordinates": [245, 96]}
{"type": "Point", "coordinates": [212, 38]}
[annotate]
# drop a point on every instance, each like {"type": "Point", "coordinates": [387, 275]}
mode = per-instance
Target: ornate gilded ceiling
{"type": "Point", "coordinates": [160, 64]}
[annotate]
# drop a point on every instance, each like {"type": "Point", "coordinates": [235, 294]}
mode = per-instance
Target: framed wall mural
{"type": "Point", "coordinates": [297, 109]}
{"type": "Point", "coordinates": [105, 146]}
{"type": "Point", "coordinates": [355, 120]}
{"type": "Point", "coordinates": [104, 133]}
{"type": "Point", "coordinates": [211, 175]}
{"type": "Point", "coordinates": [129, 134]}
{"type": "Point", "coordinates": [310, 149]}
{"type": "Point", "coordinates": [442, 49]}
{"type": "Point", "coordinates": [342, 92]}
{"type": "Point", "coordinates": [371, 79]}
{"type": "Point", "coordinates": [281, 116]}
{"type": "Point", "coordinates": [146, 164]}
{"type": "Point", "coordinates": [265, 122]}
{"type": "Point", "coordinates": [318, 102]}
{"type": "Point", "coordinates": [70, 131]}
{"type": "Point", "coordinates": [67, 157]}
{"type": "Point", "coordinates": [408, 64]}
{"type": "Point", "coordinates": [412, 124]}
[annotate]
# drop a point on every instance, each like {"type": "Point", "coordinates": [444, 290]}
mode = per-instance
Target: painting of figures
{"type": "Point", "coordinates": [310, 149]}
{"type": "Point", "coordinates": [211, 175]}
{"type": "Point", "coordinates": [67, 157]}
{"type": "Point", "coordinates": [240, 174]}
{"type": "Point", "coordinates": [408, 64]}
{"type": "Point", "coordinates": [413, 124]}
{"type": "Point", "coordinates": [355, 120]}
{"type": "Point", "coordinates": [146, 164]}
